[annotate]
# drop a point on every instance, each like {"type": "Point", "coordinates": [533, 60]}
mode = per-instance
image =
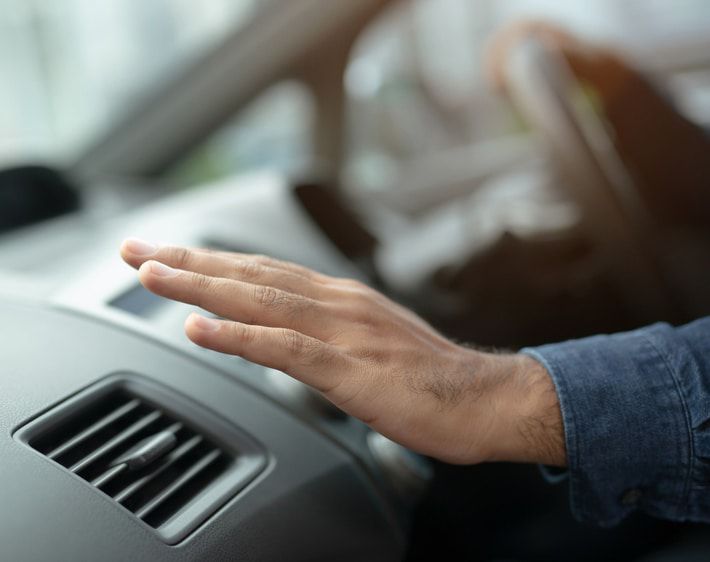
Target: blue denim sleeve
{"type": "Point", "coordinates": [636, 414]}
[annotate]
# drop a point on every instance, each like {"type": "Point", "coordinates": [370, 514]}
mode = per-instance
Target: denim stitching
{"type": "Point", "coordinates": [686, 415]}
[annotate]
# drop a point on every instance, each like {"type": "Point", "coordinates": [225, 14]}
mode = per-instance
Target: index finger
{"type": "Point", "coordinates": [135, 252]}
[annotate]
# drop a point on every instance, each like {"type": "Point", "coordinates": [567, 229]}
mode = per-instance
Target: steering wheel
{"type": "Point", "coordinates": [551, 100]}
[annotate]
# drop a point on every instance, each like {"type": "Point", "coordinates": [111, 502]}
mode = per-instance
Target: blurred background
{"type": "Point", "coordinates": [415, 82]}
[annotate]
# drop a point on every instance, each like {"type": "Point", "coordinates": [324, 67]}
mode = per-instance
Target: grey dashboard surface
{"type": "Point", "coordinates": [313, 502]}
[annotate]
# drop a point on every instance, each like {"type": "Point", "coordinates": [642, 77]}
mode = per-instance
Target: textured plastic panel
{"type": "Point", "coordinates": [206, 463]}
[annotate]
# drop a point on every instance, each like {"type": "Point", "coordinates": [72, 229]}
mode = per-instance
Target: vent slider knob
{"type": "Point", "coordinates": [148, 450]}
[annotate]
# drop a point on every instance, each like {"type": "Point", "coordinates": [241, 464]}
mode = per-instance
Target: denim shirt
{"type": "Point", "coordinates": [636, 414]}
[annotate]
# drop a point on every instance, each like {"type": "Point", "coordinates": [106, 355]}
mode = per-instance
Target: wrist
{"type": "Point", "coordinates": [510, 413]}
{"type": "Point", "coordinates": [527, 419]}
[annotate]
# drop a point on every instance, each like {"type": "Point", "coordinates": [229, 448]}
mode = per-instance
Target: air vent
{"type": "Point", "coordinates": [163, 458]}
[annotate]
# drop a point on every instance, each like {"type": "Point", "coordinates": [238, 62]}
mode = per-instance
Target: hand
{"type": "Point", "coordinates": [598, 66]}
{"type": "Point", "coordinates": [369, 356]}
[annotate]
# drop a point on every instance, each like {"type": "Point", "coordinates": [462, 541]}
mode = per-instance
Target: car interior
{"type": "Point", "coordinates": [360, 139]}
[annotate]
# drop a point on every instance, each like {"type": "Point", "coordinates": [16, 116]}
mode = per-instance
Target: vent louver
{"type": "Point", "coordinates": [157, 454]}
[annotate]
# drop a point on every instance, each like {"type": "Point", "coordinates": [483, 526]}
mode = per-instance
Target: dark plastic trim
{"type": "Point", "coordinates": [249, 456]}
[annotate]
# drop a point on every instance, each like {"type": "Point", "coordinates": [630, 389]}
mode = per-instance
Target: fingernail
{"type": "Point", "coordinates": [141, 247]}
{"type": "Point", "coordinates": [207, 324]}
{"type": "Point", "coordinates": [162, 270]}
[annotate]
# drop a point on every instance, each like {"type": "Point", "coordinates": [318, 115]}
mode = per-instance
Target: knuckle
{"type": "Point", "coordinates": [266, 297]}
{"type": "Point", "coordinates": [268, 261]}
{"type": "Point", "coordinates": [243, 333]}
{"type": "Point", "coordinates": [365, 313]}
{"type": "Point", "coordinates": [298, 306]}
{"type": "Point", "coordinates": [201, 283]}
{"type": "Point", "coordinates": [360, 302]}
{"type": "Point", "coordinates": [249, 269]}
{"type": "Point", "coordinates": [293, 342]}
{"type": "Point", "coordinates": [288, 305]}
{"type": "Point", "coordinates": [366, 319]}
{"type": "Point", "coordinates": [358, 292]}
{"type": "Point", "coordinates": [262, 260]}
{"type": "Point", "coordinates": [182, 257]}
{"type": "Point", "coordinates": [307, 350]}
{"type": "Point", "coordinates": [363, 296]}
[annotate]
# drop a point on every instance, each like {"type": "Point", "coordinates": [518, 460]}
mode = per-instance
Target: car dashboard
{"type": "Point", "coordinates": [104, 396]}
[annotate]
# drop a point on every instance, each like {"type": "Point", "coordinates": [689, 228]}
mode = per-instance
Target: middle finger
{"type": "Point", "coordinates": [244, 302]}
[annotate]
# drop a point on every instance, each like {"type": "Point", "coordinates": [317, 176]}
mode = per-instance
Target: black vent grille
{"type": "Point", "coordinates": [161, 466]}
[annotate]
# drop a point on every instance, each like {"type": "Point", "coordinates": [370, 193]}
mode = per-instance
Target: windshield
{"type": "Point", "coordinates": [69, 67]}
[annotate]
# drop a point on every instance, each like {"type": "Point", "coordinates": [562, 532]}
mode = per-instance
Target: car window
{"type": "Point", "coordinates": [70, 67]}
{"type": "Point", "coordinates": [274, 131]}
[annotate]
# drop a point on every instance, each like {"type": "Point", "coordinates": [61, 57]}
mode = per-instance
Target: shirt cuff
{"type": "Point", "coordinates": [627, 429]}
